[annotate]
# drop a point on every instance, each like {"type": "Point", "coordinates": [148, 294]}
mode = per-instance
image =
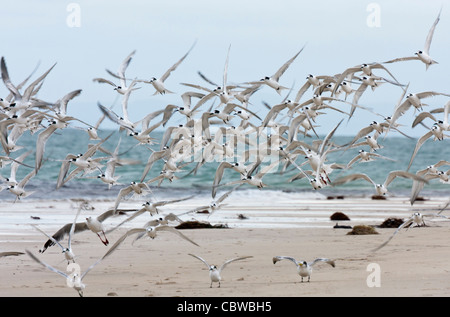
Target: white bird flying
{"type": "Point", "coordinates": [424, 54]}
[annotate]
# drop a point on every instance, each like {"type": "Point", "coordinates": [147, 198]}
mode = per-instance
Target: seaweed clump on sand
{"type": "Point", "coordinates": [200, 225]}
{"type": "Point", "coordinates": [391, 223]}
{"type": "Point", "coordinates": [362, 230]}
{"type": "Point", "coordinates": [340, 216]}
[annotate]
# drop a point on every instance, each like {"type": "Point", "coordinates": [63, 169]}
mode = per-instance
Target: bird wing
{"type": "Point", "coordinates": [51, 268]}
{"type": "Point", "coordinates": [277, 258]}
{"type": "Point", "coordinates": [173, 230]}
{"type": "Point", "coordinates": [187, 96]}
{"type": "Point", "coordinates": [426, 94]}
{"type": "Point", "coordinates": [201, 259]}
{"type": "Point", "coordinates": [109, 113]}
{"type": "Point", "coordinates": [218, 176]}
{"type": "Point", "coordinates": [6, 80]}
{"type": "Point", "coordinates": [363, 132]}
{"type": "Point", "coordinates": [123, 192]}
{"type": "Point", "coordinates": [353, 160]}
{"type": "Point", "coordinates": [268, 169]}
{"type": "Point", "coordinates": [400, 110]}
{"type": "Point", "coordinates": [125, 98]}
{"type": "Point", "coordinates": [441, 163]}
{"type": "Point", "coordinates": [103, 80]}
{"type": "Point", "coordinates": [60, 234]}
{"type": "Point", "coordinates": [137, 213]}
{"type": "Point", "coordinates": [72, 228]}
{"type": "Point", "coordinates": [421, 116]}
{"type": "Point", "coordinates": [401, 59]}
{"type": "Point", "coordinates": [416, 188]}
{"type": "Point", "coordinates": [166, 202]}
{"type": "Point", "coordinates": [228, 193]}
{"type": "Point", "coordinates": [109, 213]}
{"type": "Point", "coordinates": [122, 239]}
{"type": "Point", "coordinates": [302, 91]}
{"type": "Point", "coordinates": [174, 66]}
{"type": "Point", "coordinates": [358, 93]}
{"type": "Point", "coordinates": [404, 224]}
{"type": "Point", "coordinates": [430, 34]}
{"type": "Point", "coordinates": [62, 103]}
{"type": "Point", "coordinates": [446, 111]}
{"type": "Point", "coordinates": [233, 260]}
{"type": "Point", "coordinates": [225, 70]}
{"type": "Point", "coordinates": [273, 112]}
{"type": "Point", "coordinates": [330, 262]}
{"type": "Point", "coordinates": [392, 175]}
{"type": "Point", "coordinates": [16, 163]}
{"type": "Point", "coordinates": [419, 143]}
{"type": "Point", "coordinates": [352, 177]}
{"type": "Point", "coordinates": [123, 67]}
{"type": "Point", "coordinates": [50, 237]}
{"type": "Point", "coordinates": [29, 91]}
{"type": "Point", "coordinates": [285, 66]}
{"type": "Point", "coordinates": [90, 268]}
{"type": "Point", "coordinates": [155, 156]}
{"type": "Point", "coordinates": [25, 180]}
{"type": "Point", "coordinates": [293, 127]}
{"type": "Point", "coordinates": [40, 144]}
{"type": "Point", "coordinates": [328, 138]}
{"type": "Point", "coordinates": [172, 217]}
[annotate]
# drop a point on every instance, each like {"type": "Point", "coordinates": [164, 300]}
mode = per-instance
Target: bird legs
{"type": "Point", "coordinates": [105, 241]}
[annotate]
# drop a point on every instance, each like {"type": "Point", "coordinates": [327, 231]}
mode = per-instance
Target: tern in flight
{"type": "Point", "coordinates": [424, 54]}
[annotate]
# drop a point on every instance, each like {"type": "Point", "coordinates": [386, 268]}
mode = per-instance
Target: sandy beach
{"type": "Point", "coordinates": [413, 264]}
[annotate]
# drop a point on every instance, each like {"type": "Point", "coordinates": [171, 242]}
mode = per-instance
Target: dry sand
{"type": "Point", "coordinates": [414, 264]}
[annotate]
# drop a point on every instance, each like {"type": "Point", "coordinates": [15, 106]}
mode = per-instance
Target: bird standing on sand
{"type": "Point", "coordinates": [214, 271]}
{"type": "Point", "coordinates": [304, 269]}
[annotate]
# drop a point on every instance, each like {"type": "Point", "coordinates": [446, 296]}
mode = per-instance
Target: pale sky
{"type": "Point", "coordinates": [263, 35]}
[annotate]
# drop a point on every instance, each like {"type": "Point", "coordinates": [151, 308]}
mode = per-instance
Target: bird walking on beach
{"type": "Point", "coordinates": [304, 269]}
{"type": "Point", "coordinates": [214, 271]}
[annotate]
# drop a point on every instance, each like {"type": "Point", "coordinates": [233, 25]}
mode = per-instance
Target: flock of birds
{"type": "Point", "coordinates": [212, 134]}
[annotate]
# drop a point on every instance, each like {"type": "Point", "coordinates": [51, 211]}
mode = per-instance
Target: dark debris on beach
{"type": "Point", "coordinates": [200, 225]}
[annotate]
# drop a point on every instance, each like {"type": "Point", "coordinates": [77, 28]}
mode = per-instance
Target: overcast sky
{"type": "Point", "coordinates": [86, 37]}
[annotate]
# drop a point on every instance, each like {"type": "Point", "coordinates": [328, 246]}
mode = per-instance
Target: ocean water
{"type": "Point", "coordinates": [75, 141]}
